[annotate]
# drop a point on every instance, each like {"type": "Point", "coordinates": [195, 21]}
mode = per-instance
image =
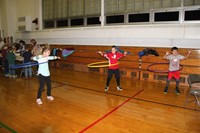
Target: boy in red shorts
{"type": "Point", "coordinates": [174, 64]}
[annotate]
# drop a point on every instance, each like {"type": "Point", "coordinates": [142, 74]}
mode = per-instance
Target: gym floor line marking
{"type": "Point", "coordinates": [164, 104]}
{"type": "Point", "coordinates": [58, 86]}
{"type": "Point", "coordinates": [8, 128]}
{"type": "Point", "coordinates": [109, 113]}
{"type": "Point", "coordinates": [128, 97]}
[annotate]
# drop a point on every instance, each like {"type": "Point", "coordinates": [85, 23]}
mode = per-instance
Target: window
{"type": "Point", "coordinates": [115, 19]}
{"type": "Point", "coordinates": [192, 15]}
{"type": "Point", "coordinates": [166, 16]}
{"type": "Point", "coordinates": [77, 22]}
{"type": "Point", "coordinates": [143, 17]}
{"type": "Point", "coordinates": [66, 13]}
{"type": "Point", "coordinates": [49, 24]}
{"type": "Point", "coordinates": [62, 23]}
{"type": "Point", "coordinates": [93, 20]}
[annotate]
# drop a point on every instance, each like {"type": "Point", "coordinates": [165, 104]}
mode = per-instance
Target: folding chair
{"type": "Point", "coordinates": [194, 84]}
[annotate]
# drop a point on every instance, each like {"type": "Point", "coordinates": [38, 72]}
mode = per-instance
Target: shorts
{"type": "Point", "coordinates": [175, 74]}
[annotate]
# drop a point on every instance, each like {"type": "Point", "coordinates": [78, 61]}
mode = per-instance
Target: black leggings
{"type": "Point", "coordinates": [110, 74]}
{"type": "Point", "coordinates": [42, 80]}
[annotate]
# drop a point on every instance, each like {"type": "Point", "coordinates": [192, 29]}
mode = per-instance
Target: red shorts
{"type": "Point", "coordinates": [175, 74]}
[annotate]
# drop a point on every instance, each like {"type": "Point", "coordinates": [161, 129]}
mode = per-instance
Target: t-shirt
{"type": "Point", "coordinates": [11, 58]}
{"type": "Point", "coordinates": [27, 56]}
{"type": "Point", "coordinates": [43, 64]}
{"type": "Point", "coordinates": [113, 59]}
{"type": "Point", "coordinates": [174, 61]}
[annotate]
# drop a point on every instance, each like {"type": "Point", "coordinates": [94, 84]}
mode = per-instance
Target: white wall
{"type": "Point", "coordinates": [26, 8]}
{"type": "Point", "coordinates": [158, 35]}
{"type": "Point", "coordinates": [0, 13]}
{"type": "Point", "coordinates": [3, 13]}
{"type": "Point", "coordinates": [154, 35]}
{"type": "Point", "coordinates": [11, 17]}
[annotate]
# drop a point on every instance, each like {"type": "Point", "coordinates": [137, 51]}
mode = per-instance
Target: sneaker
{"type": "Point", "coordinates": [39, 101]}
{"type": "Point", "coordinates": [14, 76]}
{"type": "Point", "coordinates": [177, 91]}
{"type": "Point", "coordinates": [50, 98]}
{"type": "Point", "coordinates": [106, 88]}
{"type": "Point", "coordinates": [7, 75]}
{"type": "Point", "coordinates": [119, 88]}
{"type": "Point", "coordinates": [165, 90]}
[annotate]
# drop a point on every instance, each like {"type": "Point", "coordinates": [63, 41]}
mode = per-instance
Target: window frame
{"type": "Point", "coordinates": [166, 10]}
{"type": "Point", "coordinates": [190, 9]}
{"type": "Point", "coordinates": [139, 22]}
{"type": "Point", "coordinates": [181, 19]}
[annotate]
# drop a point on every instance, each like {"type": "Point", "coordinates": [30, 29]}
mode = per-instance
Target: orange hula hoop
{"type": "Point", "coordinates": [99, 64]}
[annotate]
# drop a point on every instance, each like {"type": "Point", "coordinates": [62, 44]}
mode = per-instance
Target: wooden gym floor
{"type": "Point", "coordinates": [81, 105]}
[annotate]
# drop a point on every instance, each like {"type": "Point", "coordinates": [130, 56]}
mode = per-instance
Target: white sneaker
{"type": "Point", "coordinates": [39, 101]}
{"type": "Point", "coordinates": [50, 98]}
{"type": "Point", "coordinates": [119, 88]}
{"type": "Point", "coordinates": [106, 88]}
{"type": "Point", "coordinates": [14, 76]}
{"type": "Point", "coordinates": [7, 75]}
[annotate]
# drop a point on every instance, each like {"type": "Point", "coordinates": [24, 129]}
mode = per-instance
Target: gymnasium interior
{"type": "Point", "coordinates": [75, 31]}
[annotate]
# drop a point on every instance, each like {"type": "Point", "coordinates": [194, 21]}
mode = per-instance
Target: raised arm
{"type": "Point", "coordinates": [102, 54]}
{"type": "Point", "coordinates": [188, 54]}
{"type": "Point", "coordinates": [166, 54]}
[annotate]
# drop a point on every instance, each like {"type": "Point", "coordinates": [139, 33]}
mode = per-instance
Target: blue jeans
{"type": "Point", "coordinates": [5, 66]}
{"type": "Point", "coordinates": [11, 71]}
{"type": "Point", "coordinates": [28, 71]}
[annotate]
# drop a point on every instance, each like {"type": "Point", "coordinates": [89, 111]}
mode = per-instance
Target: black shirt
{"type": "Point", "coordinates": [27, 56]}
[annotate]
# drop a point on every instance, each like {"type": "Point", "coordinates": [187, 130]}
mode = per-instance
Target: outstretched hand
{"type": "Point", "coordinates": [100, 52]}
{"type": "Point", "coordinates": [167, 53]}
{"type": "Point", "coordinates": [189, 51]}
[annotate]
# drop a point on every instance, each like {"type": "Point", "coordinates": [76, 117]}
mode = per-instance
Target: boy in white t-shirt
{"type": "Point", "coordinates": [174, 64]}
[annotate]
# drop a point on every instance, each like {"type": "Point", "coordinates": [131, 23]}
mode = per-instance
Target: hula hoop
{"type": "Point", "coordinates": [98, 64]}
{"type": "Point", "coordinates": [24, 65]}
{"type": "Point", "coordinates": [161, 71]}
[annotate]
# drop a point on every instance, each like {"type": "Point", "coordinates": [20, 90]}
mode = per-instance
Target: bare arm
{"type": "Point", "coordinates": [125, 53]}
{"type": "Point", "coordinates": [100, 53]}
{"type": "Point", "coordinates": [188, 54]}
{"type": "Point", "coordinates": [165, 57]}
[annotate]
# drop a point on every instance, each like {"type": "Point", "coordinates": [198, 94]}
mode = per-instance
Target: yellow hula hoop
{"type": "Point", "coordinates": [96, 64]}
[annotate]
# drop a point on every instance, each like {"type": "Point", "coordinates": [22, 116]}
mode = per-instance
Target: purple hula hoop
{"type": "Point", "coordinates": [161, 71]}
